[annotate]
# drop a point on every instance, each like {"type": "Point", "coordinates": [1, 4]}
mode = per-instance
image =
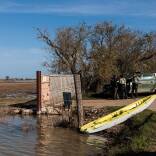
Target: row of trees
{"type": "Point", "coordinates": [99, 51]}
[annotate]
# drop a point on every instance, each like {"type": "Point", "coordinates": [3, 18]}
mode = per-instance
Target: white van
{"type": "Point", "coordinates": [147, 83]}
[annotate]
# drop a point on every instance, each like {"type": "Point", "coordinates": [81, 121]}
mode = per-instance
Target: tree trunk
{"type": "Point", "coordinates": [78, 93]}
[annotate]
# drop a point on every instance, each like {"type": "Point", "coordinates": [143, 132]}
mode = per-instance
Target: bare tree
{"type": "Point", "coordinates": [149, 54]}
{"type": "Point", "coordinates": [102, 53]}
{"type": "Point", "coordinates": [68, 48]}
{"type": "Point", "coordinates": [99, 51]}
{"type": "Point", "coordinates": [119, 50]}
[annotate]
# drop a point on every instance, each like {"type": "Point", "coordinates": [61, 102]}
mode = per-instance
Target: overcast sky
{"type": "Point", "coordinates": [21, 54]}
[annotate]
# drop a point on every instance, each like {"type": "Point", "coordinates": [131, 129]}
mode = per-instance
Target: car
{"type": "Point", "coordinates": [147, 83]}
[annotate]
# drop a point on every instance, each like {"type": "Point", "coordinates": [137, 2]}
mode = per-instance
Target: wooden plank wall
{"type": "Point", "coordinates": [52, 88]}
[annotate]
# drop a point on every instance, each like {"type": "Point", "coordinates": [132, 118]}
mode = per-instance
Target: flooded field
{"type": "Point", "coordinates": [28, 135]}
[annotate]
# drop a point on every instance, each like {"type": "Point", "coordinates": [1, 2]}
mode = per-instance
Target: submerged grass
{"type": "Point", "coordinates": [137, 136]}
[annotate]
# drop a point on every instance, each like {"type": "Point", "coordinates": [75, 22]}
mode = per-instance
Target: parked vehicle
{"type": "Point", "coordinates": [147, 83]}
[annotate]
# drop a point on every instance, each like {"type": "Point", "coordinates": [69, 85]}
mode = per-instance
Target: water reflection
{"type": "Point", "coordinates": [36, 136]}
{"type": "Point", "coordinates": [15, 139]}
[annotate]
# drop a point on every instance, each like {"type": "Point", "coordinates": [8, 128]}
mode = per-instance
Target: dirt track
{"type": "Point", "coordinates": [103, 102]}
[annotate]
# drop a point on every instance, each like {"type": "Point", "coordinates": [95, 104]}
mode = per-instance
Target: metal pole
{"type": "Point", "coordinates": [38, 83]}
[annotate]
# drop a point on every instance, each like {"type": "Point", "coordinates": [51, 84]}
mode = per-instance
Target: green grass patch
{"type": "Point", "coordinates": [137, 136]}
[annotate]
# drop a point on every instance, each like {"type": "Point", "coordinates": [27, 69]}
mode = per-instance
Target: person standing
{"type": "Point", "coordinates": [135, 82]}
{"type": "Point", "coordinates": [123, 90]}
{"type": "Point", "coordinates": [114, 84]}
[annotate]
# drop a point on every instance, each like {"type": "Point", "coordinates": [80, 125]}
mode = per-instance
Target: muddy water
{"type": "Point", "coordinates": [25, 136]}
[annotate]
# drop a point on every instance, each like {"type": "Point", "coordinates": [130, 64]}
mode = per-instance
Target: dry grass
{"type": "Point", "coordinates": [137, 137]}
{"type": "Point", "coordinates": [17, 86]}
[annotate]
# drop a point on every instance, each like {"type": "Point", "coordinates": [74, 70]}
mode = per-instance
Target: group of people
{"type": "Point", "coordinates": [122, 87]}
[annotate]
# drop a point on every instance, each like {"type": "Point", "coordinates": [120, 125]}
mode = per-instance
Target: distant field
{"type": "Point", "coordinates": [17, 91]}
{"type": "Point", "coordinates": [17, 86]}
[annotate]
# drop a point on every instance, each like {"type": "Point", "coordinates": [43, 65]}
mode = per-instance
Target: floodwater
{"type": "Point", "coordinates": [31, 136]}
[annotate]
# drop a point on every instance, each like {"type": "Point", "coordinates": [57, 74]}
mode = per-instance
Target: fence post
{"type": "Point", "coordinates": [77, 83]}
{"type": "Point", "coordinates": [38, 84]}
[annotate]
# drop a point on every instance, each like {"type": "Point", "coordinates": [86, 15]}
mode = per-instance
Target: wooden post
{"type": "Point", "coordinates": [77, 83]}
{"type": "Point", "coordinates": [38, 85]}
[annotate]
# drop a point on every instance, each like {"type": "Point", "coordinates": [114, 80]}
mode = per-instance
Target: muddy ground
{"type": "Point", "coordinates": [99, 103]}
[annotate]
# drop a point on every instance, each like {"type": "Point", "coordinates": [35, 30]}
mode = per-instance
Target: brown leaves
{"type": "Point", "coordinates": [97, 52]}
